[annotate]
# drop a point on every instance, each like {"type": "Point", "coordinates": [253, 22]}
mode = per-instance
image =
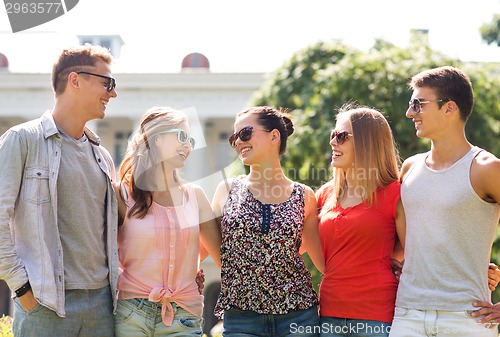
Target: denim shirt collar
{"type": "Point", "coordinates": [50, 129]}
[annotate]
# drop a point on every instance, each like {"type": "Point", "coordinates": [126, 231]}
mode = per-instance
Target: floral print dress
{"type": "Point", "coordinates": [262, 269]}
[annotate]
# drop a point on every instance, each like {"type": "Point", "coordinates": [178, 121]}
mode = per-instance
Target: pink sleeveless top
{"type": "Point", "coordinates": [159, 256]}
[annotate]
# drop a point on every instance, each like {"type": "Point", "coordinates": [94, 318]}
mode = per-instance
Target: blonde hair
{"type": "Point", "coordinates": [140, 164]}
{"type": "Point", "coordinates": [376, 158]}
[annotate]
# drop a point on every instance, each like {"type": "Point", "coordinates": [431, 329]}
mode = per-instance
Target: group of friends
{"type": "Point", "coordinates": [91, 253]}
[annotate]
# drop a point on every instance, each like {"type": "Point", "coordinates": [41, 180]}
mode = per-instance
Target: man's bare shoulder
{"type": "Point", "coordinates": [487, 164]}
{"type": "Point", "coordinates": [485, 176]}
{"type": "Point", "coordinates": [486, 158]}
{"type": "Point", "coordinates": [407, 164]}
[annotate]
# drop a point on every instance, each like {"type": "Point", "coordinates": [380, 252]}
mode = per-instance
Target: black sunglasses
{"type": "Point", "coordinates": [244, 134]}
{"type": "Point", "coordinates": [111, 81]}
{"type": "Point", "coordinates": [416, 103]}
{"type": "Point", "coordinates": [340, 136]}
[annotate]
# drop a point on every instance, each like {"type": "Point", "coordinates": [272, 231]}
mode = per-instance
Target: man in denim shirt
{"type": "Point", "coordinates": [58, 216]}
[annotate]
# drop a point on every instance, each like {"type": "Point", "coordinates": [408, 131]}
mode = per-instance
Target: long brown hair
{"type": "Point", "coordinates": [376, 158]}
{"type": "Point", "coordinates": [140, 164]}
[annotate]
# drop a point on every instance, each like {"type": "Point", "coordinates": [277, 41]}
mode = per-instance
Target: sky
{"type": "Point", "coordinates": [248, 36]}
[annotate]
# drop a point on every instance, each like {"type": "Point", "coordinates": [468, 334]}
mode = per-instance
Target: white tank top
{"type": "Point", "coordinates": [450, 231]}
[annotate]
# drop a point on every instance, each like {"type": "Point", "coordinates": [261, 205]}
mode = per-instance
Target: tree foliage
{"type": "Point", "coordinates": [320, 78]}
{"type": "Point", "coordinates": [490, 32]}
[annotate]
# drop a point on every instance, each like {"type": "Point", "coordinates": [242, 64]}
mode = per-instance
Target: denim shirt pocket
{"type": "Point", "coordinates": [36, 185]}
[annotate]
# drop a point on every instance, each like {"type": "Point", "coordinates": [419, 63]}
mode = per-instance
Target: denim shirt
{"type": "Point", "coordinates": [30, 245]}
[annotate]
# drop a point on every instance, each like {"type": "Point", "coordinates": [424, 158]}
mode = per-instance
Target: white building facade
{"type": "Point", "coordinates": [210, 100]}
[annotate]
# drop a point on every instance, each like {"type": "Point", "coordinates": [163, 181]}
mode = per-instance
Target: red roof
{"type": "Point", "coordinates": [195, 60]}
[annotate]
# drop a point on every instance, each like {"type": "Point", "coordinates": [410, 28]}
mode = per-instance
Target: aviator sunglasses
{"type": "Point", "coordinates": [340, 136]}
{"type": "Point", "coordinates": [182, 136]}
{"type": "Point", "coordinates": [110, 85]}
{"type": "Point", "coordinates": [416, 103]}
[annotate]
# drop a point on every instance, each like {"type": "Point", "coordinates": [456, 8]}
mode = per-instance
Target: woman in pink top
{"type": "Point", "coordinates": [162, 221]}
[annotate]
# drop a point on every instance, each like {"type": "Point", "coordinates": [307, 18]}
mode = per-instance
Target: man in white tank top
{"type": "Point", "coordinates": [451, 197]}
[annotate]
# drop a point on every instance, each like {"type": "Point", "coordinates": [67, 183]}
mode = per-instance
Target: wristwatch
{"type": "Point", "coordinates": [23, 290]}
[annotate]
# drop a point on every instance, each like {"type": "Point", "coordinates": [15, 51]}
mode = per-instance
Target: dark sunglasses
{"type": "Point", "coordinates": [416, 103]}
{"type": "Point", "coordinates": [340, 136]}
{"type": "Point", "coordinates": [110, 85]}
{"type": "Point", "coordinates": [244, 135]}
{"type": "Point", "coordinates": [182, 136]}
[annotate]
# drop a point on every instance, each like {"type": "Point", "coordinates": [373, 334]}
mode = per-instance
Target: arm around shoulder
{"type": "Point", "coordinates": [401, 223]}
{"type": "Point", "coordinates": [220, 196]}
{"type": "Point", "coordinates": [210, 237]}
{"type": "Point", "coordinates": [121, 196]}
{"type": "Point", "coordinates": [310, 239]}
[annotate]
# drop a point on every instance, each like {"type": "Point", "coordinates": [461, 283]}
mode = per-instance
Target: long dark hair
{"type": "Point", "coordinates": [271, 118]}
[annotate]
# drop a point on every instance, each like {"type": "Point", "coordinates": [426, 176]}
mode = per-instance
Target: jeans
{"type": "Point", "coordinates": [296, 323]}
{"type": "Point", "coordinates": [89, 313]}
{"type": "Point", "coordinates": [139, 317]}
{"type": "Point", "coordinates": [437, 323]}
{"type": "Point", "coordinates": [346, 327]}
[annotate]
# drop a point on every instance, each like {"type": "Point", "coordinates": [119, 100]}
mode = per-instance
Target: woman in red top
{"type": "Point", "coordinates": [360, 218]}
{"type": "Point", "coordinates": [362, 227]}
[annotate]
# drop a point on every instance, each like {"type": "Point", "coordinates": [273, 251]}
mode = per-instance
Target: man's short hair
{"type": "Point", "coordinates": [448, 82]}
{"type": "Point", "coordinates": [79, 58]}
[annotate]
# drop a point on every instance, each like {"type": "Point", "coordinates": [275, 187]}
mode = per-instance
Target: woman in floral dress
{"type": "Point", "coordinates": [267, 222]}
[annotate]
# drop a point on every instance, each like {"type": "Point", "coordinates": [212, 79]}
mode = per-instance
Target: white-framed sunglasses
{"type": "Point", "coordinates": [182, 136]}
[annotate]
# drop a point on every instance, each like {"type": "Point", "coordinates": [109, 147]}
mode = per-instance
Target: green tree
{"type": "Point", "coordinates": [320, 78]}
{"type": "Point", "coordinates": [490, 32]}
